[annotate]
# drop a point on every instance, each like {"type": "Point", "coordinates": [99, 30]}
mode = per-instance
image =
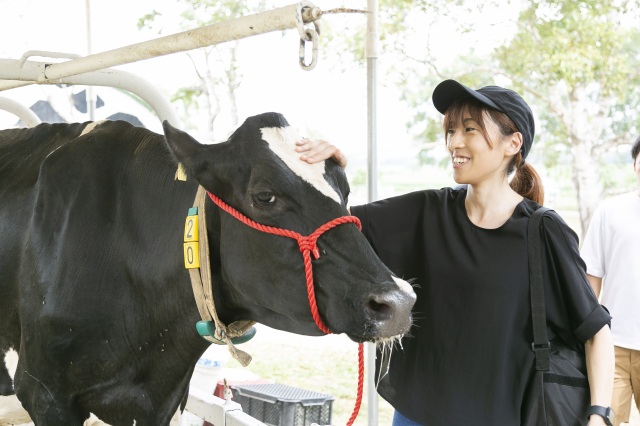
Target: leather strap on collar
{"type": "Point", "coordinates": [203, 291]}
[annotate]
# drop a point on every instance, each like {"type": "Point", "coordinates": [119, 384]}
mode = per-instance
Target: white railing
{"type": "Point", "coordinates": [218, 411]}
{"type": "Point", "coordinates": [29, 118]}
{"type": "Point", "coordinates": [17, 73]}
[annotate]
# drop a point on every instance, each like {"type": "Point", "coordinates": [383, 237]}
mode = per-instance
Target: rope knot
{"type": "Point", "coordinates": [309, 244]}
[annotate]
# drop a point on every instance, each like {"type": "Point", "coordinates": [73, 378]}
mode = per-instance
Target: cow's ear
{"type": "Point", "coordinates": [181, 144]}
{"type": "Point", "coordinates": [184, 147]}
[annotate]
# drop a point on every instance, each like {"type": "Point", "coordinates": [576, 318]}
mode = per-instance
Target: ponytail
{"type": "Point", "coordinates": [526, 181]}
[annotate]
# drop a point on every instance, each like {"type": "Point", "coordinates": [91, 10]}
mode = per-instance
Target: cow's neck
{"type": "Point", "coordinates": [211, 327]}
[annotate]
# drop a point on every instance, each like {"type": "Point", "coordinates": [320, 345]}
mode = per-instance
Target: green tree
{"type": "Point", "coordinates": [578, 60]}
{"type": "Point", "coordinates": [575, 62]}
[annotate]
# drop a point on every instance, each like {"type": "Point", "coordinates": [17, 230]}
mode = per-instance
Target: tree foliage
{"type": "Point", "coordinates": [577, 60]}
{"type": "Point", "coordinates": [574, 62]}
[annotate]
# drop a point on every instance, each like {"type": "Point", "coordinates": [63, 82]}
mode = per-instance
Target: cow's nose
{"type": "Point", "coordinates": [395, 306]}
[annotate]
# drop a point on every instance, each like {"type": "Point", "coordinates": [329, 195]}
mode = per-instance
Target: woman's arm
{"type": "Point", "coordinates": [600, 368]}
{"type": "Point", "coordinates": [314, 151]}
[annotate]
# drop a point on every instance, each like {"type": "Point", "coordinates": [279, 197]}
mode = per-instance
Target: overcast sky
{"type": "Point", "coordinates": [322, 101]}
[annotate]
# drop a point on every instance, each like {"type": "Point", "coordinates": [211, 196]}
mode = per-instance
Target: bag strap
{"type": "Point", "coordinates": [540, 344]}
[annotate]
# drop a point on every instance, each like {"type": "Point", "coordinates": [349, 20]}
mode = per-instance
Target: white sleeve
{"type": "Point", "coordinates": [592, 250]}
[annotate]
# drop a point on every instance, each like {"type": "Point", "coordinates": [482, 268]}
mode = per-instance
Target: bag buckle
{"type": "Point", "coordinates": [542, 353]}
{"type": "Point", "coordinates": [540, 346]}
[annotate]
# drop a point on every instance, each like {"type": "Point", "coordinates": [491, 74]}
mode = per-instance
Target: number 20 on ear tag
{"type": "Point", "coordinates": [191, 245]}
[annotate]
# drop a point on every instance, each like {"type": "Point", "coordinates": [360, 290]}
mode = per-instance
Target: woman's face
{"type": "Point", "coordinates": [474, 159]}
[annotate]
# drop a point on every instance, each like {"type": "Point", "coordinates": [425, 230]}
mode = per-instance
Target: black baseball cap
{"type": "Point", "coordinates": [496, 97]}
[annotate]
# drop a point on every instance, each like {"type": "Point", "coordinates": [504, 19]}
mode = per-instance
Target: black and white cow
{"type": "Point", "coordinates": [94, 296]}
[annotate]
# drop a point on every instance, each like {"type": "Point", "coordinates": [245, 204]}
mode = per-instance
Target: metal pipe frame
{"type": "Point", "coordinates": [29, 117]}
{"type": "Point", "coordinates": [23, 73]}
{"type": "Point", "coordinates": [94, 69]}
{"type": "Point", "coordinates": [274, 20]}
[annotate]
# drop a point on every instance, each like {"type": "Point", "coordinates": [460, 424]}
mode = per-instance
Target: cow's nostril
{"type": "Point", "coordinates": [380, 310]}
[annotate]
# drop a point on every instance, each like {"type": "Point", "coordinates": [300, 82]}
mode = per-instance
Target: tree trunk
{"type": "Point", "coordinates": [585, 126]}
{"type": "Point", "coordinates": [586, 182]}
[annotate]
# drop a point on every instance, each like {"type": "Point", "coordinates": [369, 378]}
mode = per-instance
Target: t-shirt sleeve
{"type": "Point", "coordinates": [572, 307]}
{"type": "Point", "coordinates": [593, 245]}
{"type": "Point", "coordinates": [393, 227]}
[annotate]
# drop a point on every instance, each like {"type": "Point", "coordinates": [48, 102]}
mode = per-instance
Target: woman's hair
{"type": "Point", "coordinates": [526, 180]}
{"type": "Point", "coordinates": [635, 149]}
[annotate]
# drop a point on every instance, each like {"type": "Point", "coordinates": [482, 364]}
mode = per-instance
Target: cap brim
{"type": "Point", "coordinates": [450, 91]}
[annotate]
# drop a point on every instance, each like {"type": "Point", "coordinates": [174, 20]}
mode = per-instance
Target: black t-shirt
{"type": "Point", "coordinates": [467, 357]}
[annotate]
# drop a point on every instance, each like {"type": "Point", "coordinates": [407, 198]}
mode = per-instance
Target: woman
{"type": "Point", "coordinates": [467, 358]}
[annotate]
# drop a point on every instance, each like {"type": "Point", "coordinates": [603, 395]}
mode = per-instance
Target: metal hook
{"type": "Point", "coordinates": [313, 39]}
{"type": "Point", "coordinates": [308, 35]}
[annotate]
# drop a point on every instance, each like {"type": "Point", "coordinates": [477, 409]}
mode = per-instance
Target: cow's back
{"type": "Point", "coordinates": [68, 198]}
{"type": "Point", "coordinates": [99, 258]}
{"type": "Point", "coordinates": [22, 152]}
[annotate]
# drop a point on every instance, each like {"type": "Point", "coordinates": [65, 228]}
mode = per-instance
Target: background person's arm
{"type": "Point", "coordinates": [596, 284]}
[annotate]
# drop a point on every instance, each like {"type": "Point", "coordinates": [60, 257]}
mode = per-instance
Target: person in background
{"type": "Point", "coordinates": [467, 357]}
{"type": "Point", "coordinates": [611, 250]}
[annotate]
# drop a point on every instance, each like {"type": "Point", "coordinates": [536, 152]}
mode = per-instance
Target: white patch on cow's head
{"type": "Point", "coordinates": [405, 286]}
{"type": "Point", "coordinates": [282, 142]}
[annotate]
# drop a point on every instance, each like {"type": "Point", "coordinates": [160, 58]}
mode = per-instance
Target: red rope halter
{"type": "Point", "coordinates": [308, 245]}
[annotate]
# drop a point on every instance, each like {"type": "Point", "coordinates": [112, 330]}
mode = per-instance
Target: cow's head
{"type": "Point", "coordinates": [258, 172]}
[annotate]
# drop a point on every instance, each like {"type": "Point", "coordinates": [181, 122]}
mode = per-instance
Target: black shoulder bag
{"type": "Point", "coordinates": [558, 390]}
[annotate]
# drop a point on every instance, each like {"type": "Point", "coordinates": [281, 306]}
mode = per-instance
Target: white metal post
{"type": "Point", "coordinates": [372, 174]}
{"type": "Point", "coordinates": [90, 94]}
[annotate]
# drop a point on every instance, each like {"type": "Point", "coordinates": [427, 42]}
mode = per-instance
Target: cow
{"type": "Point", "coordinates": [94, 294]}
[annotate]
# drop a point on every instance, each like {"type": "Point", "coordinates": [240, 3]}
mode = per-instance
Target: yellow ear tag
{"type": "Point", "coordinates": [191, 245]}
{"type": "Point", "coordinates": [181, 173]}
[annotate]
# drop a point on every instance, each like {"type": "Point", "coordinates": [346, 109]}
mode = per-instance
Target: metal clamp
{"type": "Point", "coordinates": [46, 54]}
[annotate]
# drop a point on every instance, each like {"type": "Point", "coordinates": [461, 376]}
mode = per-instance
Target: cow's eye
{"type": "Point", "coordinates": [264, 198]}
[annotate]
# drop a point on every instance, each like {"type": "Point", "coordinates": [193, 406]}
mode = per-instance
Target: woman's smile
{"type": "Point", "coordinates": [459, 161]}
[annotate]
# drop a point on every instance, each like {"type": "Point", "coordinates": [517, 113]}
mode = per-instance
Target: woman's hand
{"type": "Point", "coordinates": [314, 151]}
